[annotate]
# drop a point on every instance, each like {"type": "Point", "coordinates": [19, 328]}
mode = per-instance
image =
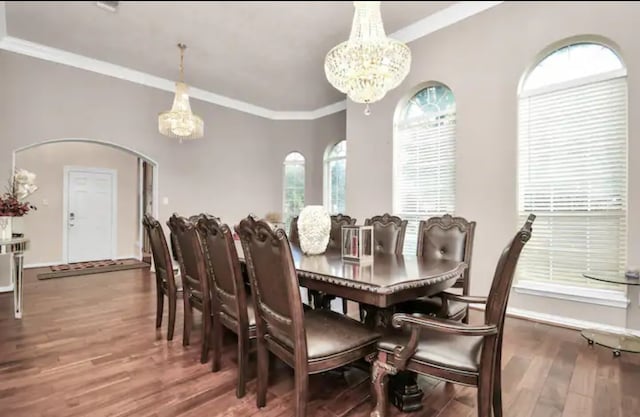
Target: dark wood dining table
{"type": "Point", "coordinates": [378, 286]}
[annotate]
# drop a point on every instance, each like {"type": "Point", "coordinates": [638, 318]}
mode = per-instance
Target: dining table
{"type": "Point", "coordinates": [378, 285]}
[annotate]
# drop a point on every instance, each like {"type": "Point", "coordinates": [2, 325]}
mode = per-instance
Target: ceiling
{"type": "Point", "coordinates": [270, 54]}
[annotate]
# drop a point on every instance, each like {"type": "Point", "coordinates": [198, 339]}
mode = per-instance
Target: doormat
{"type": "Point", "coordinates": [92, 267]}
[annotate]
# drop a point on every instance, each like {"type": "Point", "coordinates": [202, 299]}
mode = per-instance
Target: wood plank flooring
{"type": "Point", "coordinates": [87, 346]}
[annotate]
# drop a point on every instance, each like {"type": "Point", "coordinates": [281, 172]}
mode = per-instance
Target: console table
{"type": "Point", "coordinates": [618, 342]}
{"type": "Point", "coordinates": [16, 247]}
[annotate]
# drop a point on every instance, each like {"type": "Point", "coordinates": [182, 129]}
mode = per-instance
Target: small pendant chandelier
{"type": "Point", "coordinates": [180, 122]}
{"type": "Point", "coordinates": [369, 64]}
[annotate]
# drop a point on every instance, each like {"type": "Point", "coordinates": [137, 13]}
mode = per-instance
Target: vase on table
{"type": "Point", "coordinates": [314, 225]}
{"type": "Point", "coordinates": [5, 228]}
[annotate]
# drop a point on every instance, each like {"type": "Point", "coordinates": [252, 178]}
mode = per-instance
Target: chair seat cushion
{"type": "Point", "coordinates": [330, 333]}
{"type": "Point", "coordinates": [432, 306]}
{"type": "Point", "coordinates": [439, 349]}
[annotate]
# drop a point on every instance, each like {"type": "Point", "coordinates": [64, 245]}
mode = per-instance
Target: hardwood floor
{"type": "Point", "coordinates": [87, 346]}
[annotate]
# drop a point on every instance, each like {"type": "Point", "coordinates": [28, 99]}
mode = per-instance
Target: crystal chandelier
{"type": "Point", "coordinates": [179, 122]}
{"type": "Point", "coordinates": [369, 64]}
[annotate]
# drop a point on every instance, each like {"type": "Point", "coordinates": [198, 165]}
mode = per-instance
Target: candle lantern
{"type": "Point", "coordinates": [357, 243]}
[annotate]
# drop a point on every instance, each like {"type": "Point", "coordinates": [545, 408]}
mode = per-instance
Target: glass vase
{"type": "Point", "coordinates": [5, 228]}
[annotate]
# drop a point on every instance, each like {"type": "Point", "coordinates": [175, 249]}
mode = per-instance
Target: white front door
{"type": "Point", "coordinates": [90, 215]}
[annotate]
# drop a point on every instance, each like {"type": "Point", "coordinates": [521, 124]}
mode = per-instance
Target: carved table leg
{"type": "Point", "coordinates": [17, 284]}
{"type": "Point", "coordinates": [322, 300]}
{"type": "Point", "coordinates": [404, 392]}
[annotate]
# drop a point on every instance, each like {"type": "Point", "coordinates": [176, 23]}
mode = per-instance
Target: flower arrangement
{"type": "Point", "coordinates": [21, 185]}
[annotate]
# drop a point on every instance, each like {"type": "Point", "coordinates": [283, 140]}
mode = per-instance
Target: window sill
{"type": "Point", "coordinates": [609, 298]}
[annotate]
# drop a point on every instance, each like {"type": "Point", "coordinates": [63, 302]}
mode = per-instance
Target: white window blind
{"type": "Point", "coordinates": [293, 193]}
{"type": "Point", "coordinates": [424, 159]}
{"type": "Point", "coordinates": [573, 176]}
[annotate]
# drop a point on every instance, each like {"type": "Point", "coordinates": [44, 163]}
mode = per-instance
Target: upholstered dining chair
{"type": "Point", "coordinates": [452, 351]}
{"type": "Point", "coordinates": [388, 233]}
{"type": "Point", "coordinates": [165, 277]}
{"type": "Point", "coordinates": [310, 341]}
{"type": "Point", "coordinates": [335, 235]}
{"type": "Point", "coordinates": [232, 310]}
{"type": "Point", "coordinates": [449, 238]}
{"type": "Point", "coordinates": [195, 282]}
{"type": "Point", "coordinates": [294, 237]}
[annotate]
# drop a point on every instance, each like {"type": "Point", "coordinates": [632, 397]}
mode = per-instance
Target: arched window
{"type": "Point", "coordinates": [572, 160]}
{"type": "Point", "coordinates": [335, 178]}
{"type": "Point", "coordinates": [293, 184]}
{"type": "Point", "coordinates": [424, 150]}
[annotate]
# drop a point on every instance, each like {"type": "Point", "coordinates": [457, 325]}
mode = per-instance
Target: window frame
{"type": "Point", "coordinates": [286, 164]}
{"type": "Point", "coordinates": [326, 186]}
{"type": "Point", "coordinates": [560, 289]}
{"type": "Point", "coordinates": [397, 120]}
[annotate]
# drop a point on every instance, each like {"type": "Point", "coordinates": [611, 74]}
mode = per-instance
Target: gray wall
{"type": "Point", "coordinates": [234, 170]}
{"type": "Point", "coordinates": [482, 60]}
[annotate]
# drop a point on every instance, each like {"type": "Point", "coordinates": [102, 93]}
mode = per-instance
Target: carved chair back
{"type": "Point", "coordinates": [335, 235]}
{"type": "Point", "coordinates": [498, 298]}
{"type": "Point", "coordinates": [223, 268]}
{"type": "Point", "coordinates": [160, 252]}
{"type": "Point", "coordinates": [191, 260]}
{"type": "Point", "coordinates": [449, 238]}
{"type": "Point", "coordinates": [274, 285]}
{"type": "Point", "coordinates": [388, 233]}
{"type": "Point", "coordinates": [294, 237]}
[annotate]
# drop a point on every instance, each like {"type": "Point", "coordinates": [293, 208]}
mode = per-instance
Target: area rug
{"type": "Point", "coordinates": [93, 267]}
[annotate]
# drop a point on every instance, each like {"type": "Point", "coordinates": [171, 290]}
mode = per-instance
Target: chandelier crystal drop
{"type": "Point", "coordinates": [369, 64]}
{"type": "Point", "coordinates": [180, 122]}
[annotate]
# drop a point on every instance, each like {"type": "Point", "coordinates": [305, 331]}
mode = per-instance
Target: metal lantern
{"type": "Point", "coordinates": [357, 243]}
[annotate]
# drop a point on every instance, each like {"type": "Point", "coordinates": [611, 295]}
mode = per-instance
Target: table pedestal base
{"type": "Point", "coordinates": [404, 392]}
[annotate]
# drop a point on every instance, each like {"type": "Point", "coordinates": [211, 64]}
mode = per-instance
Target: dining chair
{"type": "Point", "coordinates": [309, 341]}
{"type": "Point", "coordinates": [165, 277]}
{"type": "Point", "coordinates": [449, 238]}
{"type": "Point", "coordinates": [452, 351]}
{"type": "Point", "coordinates": [388, 233]}
{"type": "Point", "coordinates": [195, 283]}
{"type": "Point", "coordinates": [230, 300]}
{"type": "Point", "coordinates": [294, 237]}
{"type": "Point", "coordinates": [335, 233]}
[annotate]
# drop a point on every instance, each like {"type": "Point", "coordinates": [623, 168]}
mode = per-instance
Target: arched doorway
{"type": "Point", "coordinates": [140, 183]}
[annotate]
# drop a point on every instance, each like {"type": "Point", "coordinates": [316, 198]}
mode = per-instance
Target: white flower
{"type": "Point", "coordinates": [22, 176]}
{"type": "Point", "coordinates": [24, 183]}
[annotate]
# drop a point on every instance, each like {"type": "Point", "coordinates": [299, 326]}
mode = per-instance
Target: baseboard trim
{"type": "Point", "coordinates": [559, 321]}
{"type": "Point", "coordinates": [7, 288]}
{"type": "Point", "coordinates": [46, 264]}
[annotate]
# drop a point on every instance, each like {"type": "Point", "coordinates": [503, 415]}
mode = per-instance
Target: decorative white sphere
{"type": "Point", "coordinates": [314, 225]}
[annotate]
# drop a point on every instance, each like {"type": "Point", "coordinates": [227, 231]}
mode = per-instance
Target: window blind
{"type": "Point", "coordinates": [573, 176]}
{"type": "Point", "coordinates": [424, 165]}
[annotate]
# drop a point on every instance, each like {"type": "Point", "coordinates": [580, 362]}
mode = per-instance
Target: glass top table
{"type": "Point", "coordinates": [618, 342]}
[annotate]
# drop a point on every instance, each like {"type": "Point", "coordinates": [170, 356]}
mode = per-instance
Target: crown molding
{"type": "Point", "coordinates": [441, 19]}
{"type": "Point", "coordinates": [445, 17]}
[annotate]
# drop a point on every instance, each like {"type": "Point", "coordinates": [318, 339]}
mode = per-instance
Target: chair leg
{"type": "Point", "coordinates": [497, 394]}
{"type": "Point", "coordinates": [243, 359]}
{"type": "Point", "coordinates": [379, 378]}
{"type": "Point", "coordinates": [485, 391]}
{"type": "Point", "coordinates": [206, 336]}
{"type": "Point", "coordinates": [263, 373]}
{"type": "Point", "coordinates": [345, 307]}
{"type": "Point", "coordinates": [302, 391]}
{"type": "Point", "coordinates": [172, 316]}
{"type": "Point", "coordinates": [217, 335]}
{"type": "Point", "coordinates": [159, 308]}
{"type": "Point", "coordinates": [188, 323]}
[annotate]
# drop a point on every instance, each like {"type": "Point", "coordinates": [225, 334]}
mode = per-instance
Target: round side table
{"type": "Point", "coordinates": [618, 342]}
